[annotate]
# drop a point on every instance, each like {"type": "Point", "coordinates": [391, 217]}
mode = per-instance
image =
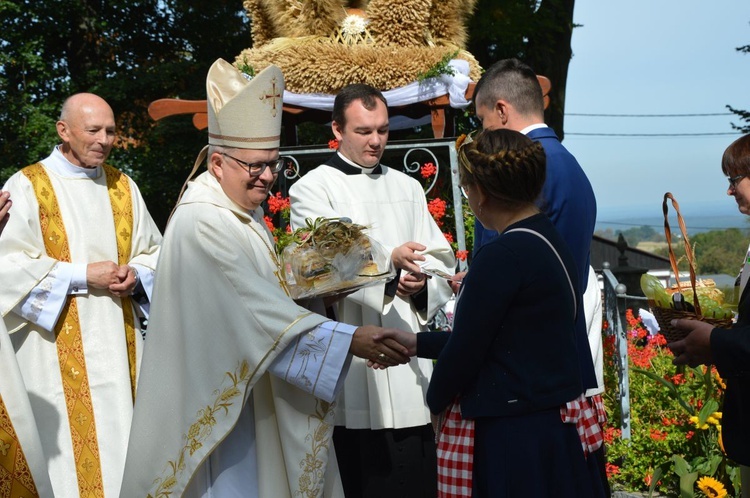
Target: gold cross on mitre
{"type": "Point", "coordinates": [275, 94]}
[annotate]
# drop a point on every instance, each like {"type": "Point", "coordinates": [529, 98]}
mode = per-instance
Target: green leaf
{"type": "Point", "coordinates": [713, 464]}
{"type": "Point", "coordinates": [681, 467]}
{"type": "Point", "coordinates": [658, 473]}
{"type": "Point", "coordinates": [709, 407]}
{"type": "Point", "coordinates": [687, 485]}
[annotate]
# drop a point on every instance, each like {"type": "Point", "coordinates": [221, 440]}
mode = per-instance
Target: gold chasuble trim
{"type": "Point", "coordinates": [16, 480]}
{"type": "Point", "coordinates": [69, 343]}
{"type": "Point", "coordinates": [122, 212]}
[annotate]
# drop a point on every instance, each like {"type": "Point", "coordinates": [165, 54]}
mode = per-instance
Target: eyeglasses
{"type": "Point", "coordinates": [257, 169]}
{"type": "Point", "coordinates": [733, 180]}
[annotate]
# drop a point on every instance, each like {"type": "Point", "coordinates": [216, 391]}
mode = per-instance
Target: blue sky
{"type": "Point", "coordinates": [657, 57]}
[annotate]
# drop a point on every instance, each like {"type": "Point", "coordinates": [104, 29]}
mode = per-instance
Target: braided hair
{"type": "Point", "coordinates": [509, 166]}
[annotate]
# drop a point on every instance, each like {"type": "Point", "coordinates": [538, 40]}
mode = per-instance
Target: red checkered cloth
{"type": "Point", "coordinates": [455, 453]}
{"type": "Point", "coordinates": [587, 416]}
{"type": "Point", "coordinates": [601, 414]}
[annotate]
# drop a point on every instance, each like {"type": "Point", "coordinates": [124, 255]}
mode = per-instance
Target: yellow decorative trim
{"type": "Point", "coordinates": [16, 480]}
{"type": "Point", "coordinates": [69, 342]}
{"type": "Point", "coordinates": [121, 200]}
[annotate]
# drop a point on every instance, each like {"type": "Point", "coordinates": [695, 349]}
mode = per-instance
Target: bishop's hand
{"type": "Point", "coordinates": [385, 351]}
{"type": "Point", "coordinates": [407, 340]}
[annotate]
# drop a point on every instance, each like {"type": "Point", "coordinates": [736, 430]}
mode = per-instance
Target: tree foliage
{"type": "Point", "coordinates": [132, 52]}
{"type": "Point", "coordinates": [716, 251]}
{"type": "Point", "coordinates": [536, 31]}
{"type": "Point", "coordinates": [743, 115]}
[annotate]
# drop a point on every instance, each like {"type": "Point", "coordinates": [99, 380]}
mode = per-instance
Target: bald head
{"type": "Point", "coordinates": [87, 130]}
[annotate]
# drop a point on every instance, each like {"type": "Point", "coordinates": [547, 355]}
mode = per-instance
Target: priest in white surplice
{"type": "Point", "coordinates": [77, 245]}
{"type": "Point", "coordinates": [383, 437]}
{"type": "Point", "coordinates": [234, 398]}
{"type": "Point", "coordinates": [23, 471]}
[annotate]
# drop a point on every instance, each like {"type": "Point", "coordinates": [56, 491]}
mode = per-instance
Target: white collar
{"type": "Point", "coordinates": [57, 163]}
{"type": "Point", "coordinates": [533, 127]}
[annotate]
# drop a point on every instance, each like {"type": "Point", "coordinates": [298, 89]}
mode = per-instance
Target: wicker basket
{"type": "Point", "coordinates": [664, 316]}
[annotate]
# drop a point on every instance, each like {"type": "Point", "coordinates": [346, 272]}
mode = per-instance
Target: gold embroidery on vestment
{"type": "Point", "coordinates": [202, 427]}
{"type": "Point", "coordinates": [122, 213]}
{"type": "Point", "coordinates": [69, 345]}
{"type": "Point", "coordinates": [15, 476]}
{"type": "Point", "coordinates": [313, 466]}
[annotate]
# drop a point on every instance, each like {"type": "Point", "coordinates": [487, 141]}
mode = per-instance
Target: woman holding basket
{"type": "Point", "coordinates": [728, 349]}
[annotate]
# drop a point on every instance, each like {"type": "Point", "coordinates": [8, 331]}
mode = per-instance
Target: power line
{"type": "Point", "coordinates": [583, 134]}
{"type": "Point", "coordinates": [686, 115]}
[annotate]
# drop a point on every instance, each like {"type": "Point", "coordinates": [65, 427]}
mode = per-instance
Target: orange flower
{"type": "Point", "coordinates": [333, 144]}
{"type": "Point", "coordinates": [448, 237]}
{"type": "Point", "coordinates": [460, 140]}
{"type": "Point", "coordinates": [436, 207]}
{"type": "Point", "coordinates": [427, 170]}
{"type": "Point", "coordinates": [612, 470]}
{"type": "Point", "coordinates": [462, 255]}
{"type": "Point", "coordinates": [269, 223]}
{"type": "Point", "coordinates": [277, 203]}
{"type": "Point", "coordinates": [658, 435]}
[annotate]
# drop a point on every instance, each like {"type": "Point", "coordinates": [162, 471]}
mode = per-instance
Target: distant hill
{"type": "Point", "coordinates": [698, 218]}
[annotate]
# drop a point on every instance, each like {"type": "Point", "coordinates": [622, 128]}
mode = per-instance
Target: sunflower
{"type": "Point", "coordinates": [711, 487]}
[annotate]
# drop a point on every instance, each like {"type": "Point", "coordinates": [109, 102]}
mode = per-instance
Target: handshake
{"type": "Point", "coordinates": [383, 347]}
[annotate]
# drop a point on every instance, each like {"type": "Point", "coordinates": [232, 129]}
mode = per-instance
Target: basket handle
{"type": "Point", "coordinates": [688, 248]}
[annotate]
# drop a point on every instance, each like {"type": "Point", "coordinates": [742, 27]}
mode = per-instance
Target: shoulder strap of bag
{"type": "Point", "coordinates": [570, 282]}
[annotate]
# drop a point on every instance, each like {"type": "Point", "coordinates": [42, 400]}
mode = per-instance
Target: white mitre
{"type": "Point", "coordinates": [242, 112]}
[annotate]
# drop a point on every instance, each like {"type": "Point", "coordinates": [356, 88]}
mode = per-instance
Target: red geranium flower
{"type": "Point", "coordinates": [428, 169]}
{"type": "Point", "coordinates": [436, 207]}
{"type": "Point", "coordinates": [277, 203]}
{"type": "Point", "coordinates": [269, 223]}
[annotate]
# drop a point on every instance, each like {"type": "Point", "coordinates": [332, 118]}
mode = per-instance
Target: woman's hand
{"type": "Point", "coordinates": [695, 348]}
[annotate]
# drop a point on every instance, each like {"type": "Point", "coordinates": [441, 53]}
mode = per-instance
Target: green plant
{"type": "Point", "coordinates": [442, 67]}
{"type": "Point", "coordinates": [675, 446]}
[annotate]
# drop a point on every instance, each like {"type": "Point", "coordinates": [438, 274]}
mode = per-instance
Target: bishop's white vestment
{"type": "Point", "coordinates": [78, 348]}
{"type": "Point", "coordinates": [393, 207]}
{"type": "Point", "coordinates": [23, 471]}
{"type": "Point", "coordinates": [236, 382]}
